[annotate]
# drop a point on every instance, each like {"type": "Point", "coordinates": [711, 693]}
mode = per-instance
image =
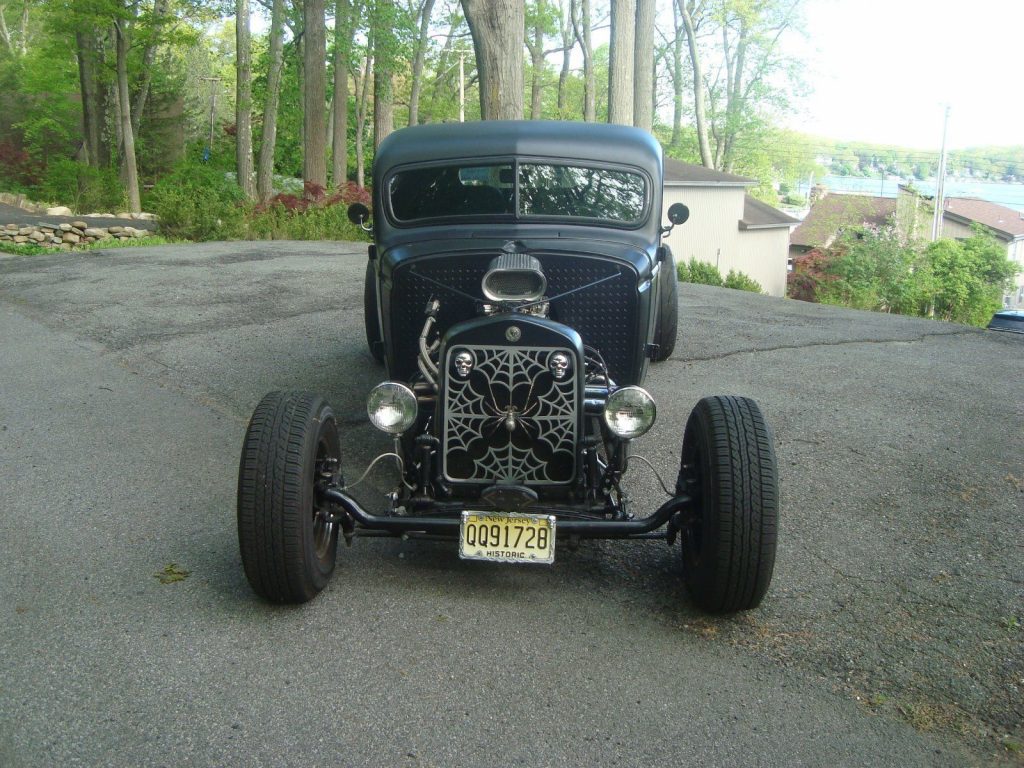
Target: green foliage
{"type": "Point", "coordinates": [742, 282]}
{"type": "Point", "coordinates": [969, 277]}
{"type": "Point", "coordinates": [197, 202]}
{"type": "Point", "coordinates": [703, 273]}
{"type": "Point", "coordinates": [81, 187]}
{"type": "Point", "coordinates": [278, 223]}
{"type": "Point", "coordinates": [960, 281]}
{"type": "Point", "coordinates": [699, 272]}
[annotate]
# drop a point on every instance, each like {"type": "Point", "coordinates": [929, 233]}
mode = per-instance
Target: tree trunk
{"type": "Point", "coordinates": [361, 105]}
{"type": "Point", "coordinates": [536, 48]}
{"type": "Point", "coordinates": [92, 122]}
{"type": "Point", "coordinates": [339, 102]}
{"type": "Point", "coordinates": [581, 28]}
{"type": "Point", "coordinates": [268, 137]}
{"type": "Point", "coordinates": [417, 63]}
{"type": "Point", "coordinates": [498, 30]}
{"type": "Point", "coordinates": [643, 66]}
{"type": "Point", "coordinates": [131, 173]}
{"type": "Point", "coordinates": [243, 100]}
{"type": "Point", "coordinates": [620, 62]}
{"type": "Point", "coordinates": [677, 79]}
{"type": "Point", "coordinates": [314, 122]}
{"type": "Point", "coordinates": [384, 45]}
{"type": "Point", "coordinates": [568, 44]}
{"type": "Point", "coordinates": [699, 113]}
{"type": "Point", "coordinates": [148, 60]}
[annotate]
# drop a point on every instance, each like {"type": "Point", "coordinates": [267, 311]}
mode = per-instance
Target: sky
{"type": "Point", "coordinates": [884, 70]}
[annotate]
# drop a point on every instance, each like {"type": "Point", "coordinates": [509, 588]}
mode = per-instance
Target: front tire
{"type": "Point", "coordinates": [287, 543]}
{"type": "Point", "coordinates": [728, 543]}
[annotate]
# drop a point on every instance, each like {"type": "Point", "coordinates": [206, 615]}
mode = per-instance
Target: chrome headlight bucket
{"type": "Point", "coordinates": [629, 412]}
{"type": "Point", "coordinates": [392, 407]}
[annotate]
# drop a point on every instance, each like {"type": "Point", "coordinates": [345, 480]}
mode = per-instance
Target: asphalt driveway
{"type": "Point", "coordinates": [891, 635]}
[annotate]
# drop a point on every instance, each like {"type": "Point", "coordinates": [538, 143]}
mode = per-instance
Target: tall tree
{"type": "Point", "coordinates": [620, 62]}
{"type": "Point", "coordinates": [426, 7]}
{"type": "Point", "coordinates": [15, 38]}
{"type": "Point", "coordinates": [268, 136]}
{"type": "Point", "coordinates": [89, 53]}
{"type": "Point", "coordinates": [542, 20]}
{"type": "Point", "coordinates": [158, 18]}
{"type": "Point", "coordinates": [643, 65]}
{"type": "Point", "coordinates": [314, 101]}
{"type": "Point", "coordinates": [385, 46]}
{"type": "Point", "coordinates": [243, 100]}
{"type": "Point", "coordinates": [498, 30]}
{"type": "Point", "coordinates": [565, 30]}
{"type": "Point", "coordinates": [339, 101]}
{"type": "Point", "coordinates": [131, 172]}
{"type": "Point", "coordinates": [688, 9]}
{"type": "Point", "coordinates": [582, 26]}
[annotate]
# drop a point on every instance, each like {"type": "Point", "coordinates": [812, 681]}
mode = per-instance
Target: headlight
{"type": "Point", "coordinates": [629, 412]}
{"type": "Point", "coordinates": [391, 407]}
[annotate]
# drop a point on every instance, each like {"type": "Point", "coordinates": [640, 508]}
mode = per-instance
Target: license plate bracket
{"type": "Point", "coordinates": [507, 537]}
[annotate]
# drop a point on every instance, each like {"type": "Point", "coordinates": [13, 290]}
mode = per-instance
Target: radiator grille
{"type": "Point", "coordinates": [605, 316]}
{"type": "Point", "coordinates": [511, 418]}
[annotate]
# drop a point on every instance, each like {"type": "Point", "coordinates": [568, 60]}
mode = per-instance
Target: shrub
{"type": "Point", "coordinates": [742, 282]}
{"type": "Point", "coordinates": [196, 202]}
{"type": "Point", "coordinates": [81, 187]}
{"type": "Point", "coordinates": [278, 222]}
{"type": "Point", "coordinates": [700, 272]}
{"type": "Point", "coordinates": [17, 170]}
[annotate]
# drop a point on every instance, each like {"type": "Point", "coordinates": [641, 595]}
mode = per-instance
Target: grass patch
{"type": "Point", "coordinates": [171, 573]}
{"type": "Point", "coordinates": [26, 249]}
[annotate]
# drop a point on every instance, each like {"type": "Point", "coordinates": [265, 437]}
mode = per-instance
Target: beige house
{"type": "Point", "coordinates": [727, 227]}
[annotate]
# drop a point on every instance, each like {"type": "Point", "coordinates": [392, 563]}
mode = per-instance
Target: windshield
{"type": "Point", "coordinates": [544, 190]}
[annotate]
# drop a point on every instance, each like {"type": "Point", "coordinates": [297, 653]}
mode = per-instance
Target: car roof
{"type": "Point", "coordinates": [594, 142]}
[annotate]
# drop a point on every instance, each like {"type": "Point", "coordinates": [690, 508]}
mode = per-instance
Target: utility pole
{"type": "Point", "coordinates": [213, 110]}
{"type": "Point", "coordinates": [940, 184]}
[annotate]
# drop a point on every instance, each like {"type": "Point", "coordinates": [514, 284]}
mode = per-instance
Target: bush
{"type": "Point", "coordinates": [277, 222]}
{"type": "Point", "coordinates": [742, 282]}
{"type": "Point", "coordinates": [81, 187]}
{"type": "Point", "coordinates": [700, 272]}
{"type": "Point", "coordinates": [196, 202]}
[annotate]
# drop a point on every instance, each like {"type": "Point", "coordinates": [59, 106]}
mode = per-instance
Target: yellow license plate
{"type": "Point", "coordinates": [507, 537]}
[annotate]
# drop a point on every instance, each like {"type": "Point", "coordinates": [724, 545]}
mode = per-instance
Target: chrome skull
{"type": "Point", "coordinates": [463, 364]}
{"type": "Point", "coordinates": [559, 365]}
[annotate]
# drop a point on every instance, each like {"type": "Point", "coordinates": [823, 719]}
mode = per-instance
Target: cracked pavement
{"type": "Point", "coordinates": [891, 634]}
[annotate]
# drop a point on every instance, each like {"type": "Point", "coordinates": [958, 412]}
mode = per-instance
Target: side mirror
{"type": "Point", "coordinates": [677, 214]}
{"type": "Point", "coordinates": [359, 214]}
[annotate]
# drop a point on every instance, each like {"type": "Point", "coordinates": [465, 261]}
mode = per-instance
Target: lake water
{"type": "Point", "coordinates": [1010, 195]}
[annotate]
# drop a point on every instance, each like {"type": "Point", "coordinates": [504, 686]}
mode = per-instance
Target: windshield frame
{"type": "Point", "coordinates": [516, 217]}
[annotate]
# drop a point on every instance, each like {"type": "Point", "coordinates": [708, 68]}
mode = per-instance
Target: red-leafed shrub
{"type": "Point", "coordinates": [809, 272]}
{"type": "Point", "coordinates": [16, 167]}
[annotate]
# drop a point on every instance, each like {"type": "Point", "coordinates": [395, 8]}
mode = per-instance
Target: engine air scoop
{"type": "Point", "coordinates": [514, 277]}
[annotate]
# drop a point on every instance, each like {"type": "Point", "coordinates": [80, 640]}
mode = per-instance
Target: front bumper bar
{"type": "Point", "coordinates": [448, 525]}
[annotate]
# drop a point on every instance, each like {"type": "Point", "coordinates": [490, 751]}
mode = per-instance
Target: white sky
{"type": "Point", "coordinates": [883, 71]}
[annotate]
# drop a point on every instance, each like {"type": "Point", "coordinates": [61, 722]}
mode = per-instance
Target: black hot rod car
{"type": "Point", "coordinates": [516, 291]}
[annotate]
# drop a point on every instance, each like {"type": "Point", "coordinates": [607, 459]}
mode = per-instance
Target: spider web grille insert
{"type": "Point", "coordinates": [510, 386]}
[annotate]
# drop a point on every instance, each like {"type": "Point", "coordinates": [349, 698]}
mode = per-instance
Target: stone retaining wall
{"type": "Point", "coordinates": [66, 235]}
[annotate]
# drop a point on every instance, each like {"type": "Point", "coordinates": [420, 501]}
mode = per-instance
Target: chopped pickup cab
{"type": "Point", "coordinates": [516, 292]}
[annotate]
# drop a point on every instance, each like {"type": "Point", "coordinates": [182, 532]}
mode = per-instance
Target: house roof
{"type": "Point", "coordinates": [1005, 221]}
{"type": "Point", "coordinates": [680, 174]}
{"type": "Point", "coordinates": [833, 213]}
{"type": "Point", "coordinates": [758, 215]}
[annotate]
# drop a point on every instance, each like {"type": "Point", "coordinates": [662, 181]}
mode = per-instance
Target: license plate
{"type": "Point", "coordinates": [507, 537]}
